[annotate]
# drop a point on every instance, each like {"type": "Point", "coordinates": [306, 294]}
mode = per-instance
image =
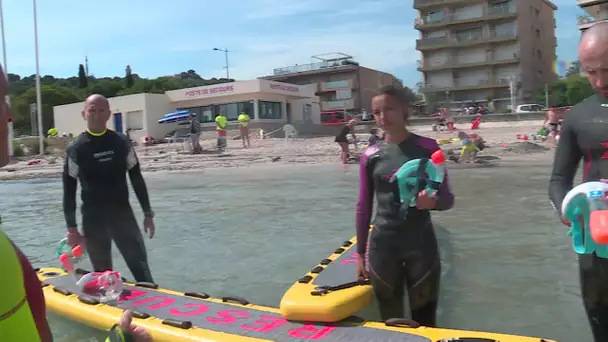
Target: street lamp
{"type": "Point", "coordinates": [38, 94]}
{"type": "Point", "coordinates": [225, 51]}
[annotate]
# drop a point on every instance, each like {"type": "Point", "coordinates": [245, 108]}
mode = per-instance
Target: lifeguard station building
{"type": "Point", "coordinates": [269, 104]}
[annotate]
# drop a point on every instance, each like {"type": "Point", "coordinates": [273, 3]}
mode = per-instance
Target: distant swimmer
{"type": "Point", "coordinates": [402, 250]}
{"type": "Point", "coordinates": [100, 159]}
{"type": "Point", "coordinates": [584, 135]}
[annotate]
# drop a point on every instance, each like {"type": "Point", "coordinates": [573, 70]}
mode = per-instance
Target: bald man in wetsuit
{"type": "Point", "coordinates": [100, 159]}
{"type": "Point", "coordinates": [584, 136]}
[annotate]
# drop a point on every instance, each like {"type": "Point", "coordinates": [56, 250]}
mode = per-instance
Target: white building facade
{"type": "Point", "coordinates": [263, 100]}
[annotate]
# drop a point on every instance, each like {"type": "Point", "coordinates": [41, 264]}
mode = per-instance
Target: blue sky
{"type": "Point", "coordinates": [166, 37]}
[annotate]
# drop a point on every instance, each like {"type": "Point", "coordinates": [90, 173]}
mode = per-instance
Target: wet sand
{"type": "Point", "coordinates": [502, 147]}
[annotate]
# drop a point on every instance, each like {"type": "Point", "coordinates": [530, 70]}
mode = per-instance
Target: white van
{"type": "Point", "coordinates": [530, 107]}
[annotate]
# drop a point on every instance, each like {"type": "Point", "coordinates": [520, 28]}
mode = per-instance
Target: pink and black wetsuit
{"type": "Point", "coordinates": [402, 250]}
{"type": "Point", "coordinates": [584, 135]}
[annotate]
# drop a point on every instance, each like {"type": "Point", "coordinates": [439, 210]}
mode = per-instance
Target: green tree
{"type": "Point", "coordinates": [82, 77]}
{"type": "Point", "coordinates": [52, 95]}
{"type": "Point", "coordinates": [577, 89]}
{"type": "Point", "coordinates": [129, 77]}
{"type": "Point", "coordinates": [566, 91]}
{"type": "Point", "coordinates": [573, 69]}
{"type": "Point", "coordinates": [58, 91]}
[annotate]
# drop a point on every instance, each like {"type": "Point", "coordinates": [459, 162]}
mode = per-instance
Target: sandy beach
{"type": "Point", "coordinates": [502, 147]}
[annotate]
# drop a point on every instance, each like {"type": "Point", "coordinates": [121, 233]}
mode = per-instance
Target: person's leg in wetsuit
{"type": "Point", "coordinates": [394, 270]}
{"type": "Point", "coordinates": [130, 242]}
{"type": "Point", "coordinates": [121, 226]}
{"type": "Point", "coordinates": [593, 272]}
{"type": "Point", "coordinates": [98, 240]}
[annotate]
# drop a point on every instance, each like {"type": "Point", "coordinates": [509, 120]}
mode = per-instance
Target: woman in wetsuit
{"type": "Point", "coordinates": [402, 250]}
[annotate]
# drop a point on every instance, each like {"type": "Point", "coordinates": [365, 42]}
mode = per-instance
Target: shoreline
{"type": "Point", "coordinates": [503, 150]}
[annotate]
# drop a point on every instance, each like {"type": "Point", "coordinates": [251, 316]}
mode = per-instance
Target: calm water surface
{"type": "Point", "coordinates": [252, 232]}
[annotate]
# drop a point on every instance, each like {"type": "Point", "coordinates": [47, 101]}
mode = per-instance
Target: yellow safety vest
{"type": "Point", "coordinates": [243, 119]}
{"type": "Point", "coordinates": [221, 122]}
{"type": "Point", "coordinates": [16, 320]}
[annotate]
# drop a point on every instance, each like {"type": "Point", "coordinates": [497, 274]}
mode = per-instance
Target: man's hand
{"type": "Point", "coordinates": [138, 333]}
{"type": "Point", "coordinates": [424, 201]}
{"type": "Point", "coordinates": [149, 226]}
{"type": "Point", "coordinates": [74, 237]}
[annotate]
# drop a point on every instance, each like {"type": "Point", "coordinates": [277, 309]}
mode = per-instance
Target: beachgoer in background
{"type": "Point", "coordinates": [402, 250]}
{"type": "Point", "coordinates": [552, 123]}
{"type": "Point", "coordinates": [584, 136]}
{"type": "Point", "coordinates": [14, 262]}
{"type": "Point", "coordinates": [365, 116]}
{"type": "Point", "coordinates": [100, 159]}
{"type": "Point", "coordinates": [52, 132]}
{"type": "Point", "coordinates": [220, 128]}
{"type": "Point", "coordinates": [195, 133]}
{"type": "Point", "coordinates": [469, 150]}
{"type": "Point", "coordinates": [374, 137]}
{"type": "Point", "coordinates": [447, 116]}
{"type": "Point", "coordinates": [342, 140]}
{"type": "Point", "coordinates": [244, 126]}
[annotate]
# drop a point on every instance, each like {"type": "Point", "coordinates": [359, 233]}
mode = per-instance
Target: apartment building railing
{"type": "Point", "coordinates": [450, 17]}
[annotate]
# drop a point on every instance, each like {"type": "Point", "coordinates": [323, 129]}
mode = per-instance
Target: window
{"type": "Point", "coordinates": [537, 33]}
{"type": "Point", "coordinates": [474, 33]}
{"type": "Point", "coordinates": [135, 120]}
{"type": "Point", "coordinates": [247, 108]}
{"type": "Point", "coordinates": [536, 12]}
{"type": "Point", "coordinates": [270, 110]}
{"type": "Point", "coordinates": [435, 16]}
{"type": "Point", "coordinates": [232, 110]}
{"type": "Point", "coordinates": [344, 94]}
{"type": "Point", "coordinates": [539, 54]}
{"type": "Point", "coordinates": [336, 84]}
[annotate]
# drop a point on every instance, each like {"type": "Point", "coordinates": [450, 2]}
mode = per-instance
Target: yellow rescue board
{"type": "Point", "coordinates": [330, 291]}
{"type": "Point", "coordinates": [176, 316]}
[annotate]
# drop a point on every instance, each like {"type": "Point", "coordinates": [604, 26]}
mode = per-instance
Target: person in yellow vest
{"type": "Point", "coordinates": [244, 126]}
{"type": "Point", "coordinates": [22, 304]}
{"type": "Point", "coordinates": [221, 123]}
{"type": "Point", "coordinates": [52, 132]}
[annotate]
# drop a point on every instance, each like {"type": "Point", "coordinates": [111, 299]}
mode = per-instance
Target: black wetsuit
{"type": "Point", "coordinates": [402, 251]}
{"type": "Point", "coordinates": [584, 135]}
{"type": "Point", "coordinates": [100, 163]}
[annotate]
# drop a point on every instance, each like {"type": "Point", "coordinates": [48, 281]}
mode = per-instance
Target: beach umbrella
{"type": "Point", "coordinates": [180, 115]}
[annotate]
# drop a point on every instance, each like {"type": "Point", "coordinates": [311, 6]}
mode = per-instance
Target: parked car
{"type": "Point", "coordinates": [529, 108]}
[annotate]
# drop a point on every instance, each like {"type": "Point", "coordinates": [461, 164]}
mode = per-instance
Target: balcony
{"type": "Point", "coordinates": [456, 85]}
{"type": "Point", "coordinates": [494, 13]}
{"type": "Point", "coordinates": [465, 39]}
{"type": "Point", "coordinates": [315, 67]}
{"type": "Point", "coordinates": [325, 87]}
{"type": "Point", "coordinates": [598, 9]}
{"type": "Point", "coordinates": [422, 4]}
{"type": "Point", "coordinates": [338, 104]}
{"type": "Point", "coordinates": [453, 63]}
